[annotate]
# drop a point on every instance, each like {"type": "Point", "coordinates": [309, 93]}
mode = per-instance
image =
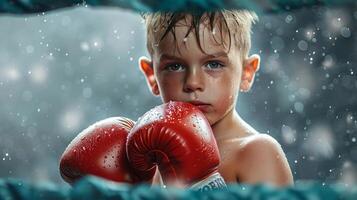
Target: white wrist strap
{"type": "Point", "coordinates": [213, 182]}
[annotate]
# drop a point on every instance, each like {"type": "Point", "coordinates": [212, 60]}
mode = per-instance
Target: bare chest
{"type": "Point", "coordinates": [229, 166]}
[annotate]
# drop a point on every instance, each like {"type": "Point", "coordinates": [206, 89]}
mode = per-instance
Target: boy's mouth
{"type": "Point", "coordinates": [204, 107]}
{"type": "Point", "coordinates": [197, 103]}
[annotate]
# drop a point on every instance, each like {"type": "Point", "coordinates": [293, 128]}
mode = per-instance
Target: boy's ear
{"type": "Point", "coordinates": [250, 67]}
{"type": "Point", "coordinates": [147, 68]}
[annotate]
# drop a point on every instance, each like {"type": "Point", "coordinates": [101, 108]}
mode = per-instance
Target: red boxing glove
{"type": "Point", "coordinates": [178, 139]}
{"type": "Point", "coordinates": [99, 150]}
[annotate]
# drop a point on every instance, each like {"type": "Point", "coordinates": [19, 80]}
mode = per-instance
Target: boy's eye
{"type": "Point", "coordinates": [174, 67]}
{"type": "Point", "coordinates": [214, 65]}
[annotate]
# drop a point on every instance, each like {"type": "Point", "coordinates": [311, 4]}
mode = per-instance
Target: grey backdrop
{"type": "Point", "coordinates": [64, 70]}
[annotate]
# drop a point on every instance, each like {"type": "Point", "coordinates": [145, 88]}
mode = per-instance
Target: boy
{"type": "Point", "coordinates": [203, 59]}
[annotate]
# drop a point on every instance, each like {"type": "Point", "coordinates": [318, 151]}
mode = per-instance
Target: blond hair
{"type": "Point", "coordinates": [237, 23]}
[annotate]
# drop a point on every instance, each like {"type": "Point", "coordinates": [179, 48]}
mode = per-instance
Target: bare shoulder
{"type": "Point", "coordinates": [262, 159]}
{"type": "Point", "coordinates": [260, 143]}
{"type": "Point", "coordinates": [259, 149]}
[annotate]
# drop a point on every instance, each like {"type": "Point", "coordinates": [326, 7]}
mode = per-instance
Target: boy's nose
{"type": "Point", "coordinates": [193, 81]}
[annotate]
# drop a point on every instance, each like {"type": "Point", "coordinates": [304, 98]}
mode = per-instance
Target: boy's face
{"type": "Point", "coordinates": [183, 72]}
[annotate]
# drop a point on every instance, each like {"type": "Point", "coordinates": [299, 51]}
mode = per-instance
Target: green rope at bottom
{"type": "Point", "coordinates": [95, 188]}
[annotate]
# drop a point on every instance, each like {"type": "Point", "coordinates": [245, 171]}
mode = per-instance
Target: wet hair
{"type": "Point", "coordinates": [235, 23]}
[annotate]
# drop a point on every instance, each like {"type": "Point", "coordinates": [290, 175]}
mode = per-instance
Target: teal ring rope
{"type": "Point", "coordinates": [95, 188]}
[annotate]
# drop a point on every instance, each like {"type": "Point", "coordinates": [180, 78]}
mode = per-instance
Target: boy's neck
{"type": "Point", "coordinates": [232, 126]}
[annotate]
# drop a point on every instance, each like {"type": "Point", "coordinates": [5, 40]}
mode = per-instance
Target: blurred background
{"type": "Point", "coordinates": [64, 70]}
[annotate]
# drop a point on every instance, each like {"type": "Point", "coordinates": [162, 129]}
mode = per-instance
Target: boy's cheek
{"type": "Point", "coordinates": [169, 95]}
{"type": "Point", "coordinates": [225, 101]}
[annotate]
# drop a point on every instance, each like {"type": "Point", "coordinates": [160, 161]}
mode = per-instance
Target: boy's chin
{"type": "Point", "coordinates": [209, 119]}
